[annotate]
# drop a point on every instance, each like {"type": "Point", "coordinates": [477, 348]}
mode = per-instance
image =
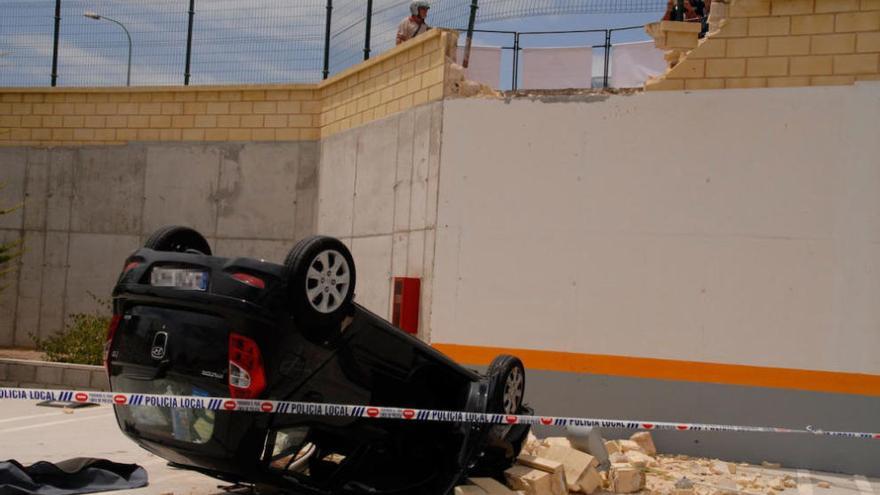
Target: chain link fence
{"type": "Point", "coordinates": [173, 42]}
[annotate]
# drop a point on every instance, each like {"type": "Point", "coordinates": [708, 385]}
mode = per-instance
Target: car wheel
{"type": "Point", "coordinates": [508, 377]}
{"type": "Point", "coordinates": [321, 277]}
{"type": "Point", "coordinates": [178, 239]}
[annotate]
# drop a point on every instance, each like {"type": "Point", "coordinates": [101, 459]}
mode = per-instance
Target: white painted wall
{"type": "Point", "coordinates": [736, 226]}
{"type": "Point", "coordinates": [378, 193]}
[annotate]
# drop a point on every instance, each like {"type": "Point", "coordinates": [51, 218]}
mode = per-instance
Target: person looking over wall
{"type": "Point", "coordinates": [689, 11]}
{"type": "Point", "coordinates": [415, 24]}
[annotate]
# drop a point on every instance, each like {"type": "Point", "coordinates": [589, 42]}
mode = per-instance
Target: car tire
{"type": "Point", "coordinates": [508, 378]}
{"type": "Point", "coordinates": [178, 239]}
{"type": "Point", "coordinates": [321, 277]}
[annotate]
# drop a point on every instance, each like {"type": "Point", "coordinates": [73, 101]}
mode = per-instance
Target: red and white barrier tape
{"type": "Point", "coordinates": [378, 412]}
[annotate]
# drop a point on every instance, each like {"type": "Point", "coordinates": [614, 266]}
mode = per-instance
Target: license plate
{"type": "Point", "coordinates": [179, 278]}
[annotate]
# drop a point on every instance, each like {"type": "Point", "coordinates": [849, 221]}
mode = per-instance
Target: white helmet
{"type": "Point", "coordinates": [418, 4]}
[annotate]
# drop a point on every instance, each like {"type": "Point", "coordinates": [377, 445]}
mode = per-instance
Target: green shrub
{"type": "Point", "coordinates": [81, 341]}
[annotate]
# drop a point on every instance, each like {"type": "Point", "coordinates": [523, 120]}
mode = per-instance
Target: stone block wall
{"type": "Point", "coordinates": [784, 43]}
{"type": "Point", "coordinates": [408, 75]}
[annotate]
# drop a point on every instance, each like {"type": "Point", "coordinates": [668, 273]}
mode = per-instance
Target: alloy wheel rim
{"type": "Point", "coordinates": [328, 281]}
{"type": "Point", "coordinates": [513, 391]}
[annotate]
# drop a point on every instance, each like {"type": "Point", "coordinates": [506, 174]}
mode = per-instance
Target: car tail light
{"type": "Point", "coordinates": [247, 379]}
{"type": "Point", "coordinates": [111, 332]}
{"type": "Point", "coordinates": [249, 280]}
{"type": "Point", "coordinates": [131, 265]}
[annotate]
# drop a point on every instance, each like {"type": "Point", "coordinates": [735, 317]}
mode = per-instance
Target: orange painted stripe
{"type": "Point", "coordinates": [668, 369]}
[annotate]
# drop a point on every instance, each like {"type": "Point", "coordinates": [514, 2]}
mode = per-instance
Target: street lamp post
{"type": "Point", "coordinates": [98, 17]}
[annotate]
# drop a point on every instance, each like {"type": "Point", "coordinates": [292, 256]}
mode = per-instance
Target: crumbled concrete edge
{"type": "Point", "coordinates": [42, 374]}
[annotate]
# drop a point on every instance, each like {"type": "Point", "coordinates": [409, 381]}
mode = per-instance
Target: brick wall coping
{"type": "Point", "coordinates": [353, 70]}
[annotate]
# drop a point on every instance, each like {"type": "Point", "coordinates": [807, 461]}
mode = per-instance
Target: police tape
{"type": "Point", "coordinates": [379, 412]}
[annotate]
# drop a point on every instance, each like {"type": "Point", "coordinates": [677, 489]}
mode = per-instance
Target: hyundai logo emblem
{"type": "Point", "coordinates": [160, 342]}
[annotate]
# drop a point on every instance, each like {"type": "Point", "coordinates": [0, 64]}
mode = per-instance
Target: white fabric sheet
{"type": "Point", "coordinates": [556, 68]}
{"type": "Point", "coordinates": [634, 63]}
{"type": "Point", "coordinates": [484, 66]}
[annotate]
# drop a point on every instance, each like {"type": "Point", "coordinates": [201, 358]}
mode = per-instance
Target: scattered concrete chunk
{"type": "Point", "coordinates": [624, 478]}
{"type": "Point", "coordinates": [645, 441]}
{"type": "Point", "coordinates": [823, 484]}
{"type": "Point", "coordinates": [531, 481]}
{"type": "Point", "coordinates": [580, 468]}
{"type": "Point", "coordinates": [772, 465]}
{"type": "Point", "coordinates": [684, 484]}
{"type": "Point", "coordinates": [490, 486]}
{"type": "Point", "coordinates": [721, 468]}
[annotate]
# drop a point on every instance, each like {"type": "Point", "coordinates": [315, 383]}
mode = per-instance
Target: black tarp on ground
{"type": "Point", "coordinates": [70, 477]}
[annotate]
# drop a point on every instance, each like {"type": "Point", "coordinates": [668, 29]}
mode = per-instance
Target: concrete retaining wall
{"type": "Point", "coordinates": [39, 374]}
{"type": "Point", "coordinates": [85, 209]}
{"type": "Point", "coordinates": [378, 193]}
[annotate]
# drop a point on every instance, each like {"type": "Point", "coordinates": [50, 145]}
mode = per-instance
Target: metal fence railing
{"type": "Point", "coordinates": [517, 40]}
{"type": "Point", "coordinates": [51, 42]}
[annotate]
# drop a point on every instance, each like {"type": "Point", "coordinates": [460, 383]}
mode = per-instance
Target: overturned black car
{"type": "Point", "coordinates": [189, 323]}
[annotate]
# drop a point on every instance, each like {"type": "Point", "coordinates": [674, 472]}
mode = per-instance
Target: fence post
{"type": "Point", "coordinates": [55, 46]}
{"type": "Point", "coordinates": [513, 85]}
{"type": "Point", "coordinates": [189, 40]}
{"type": "Point", "coordinates": [369, 28]}
{"type": "Point", "coordinates": [470, 35]}
{"type": "Point", "coordinates": [327, 39]}
{"type": "Point", "coordinates": [607, 57]}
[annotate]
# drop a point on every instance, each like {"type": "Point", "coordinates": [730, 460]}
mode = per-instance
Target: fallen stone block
{"type": "Point", "coordinates": [629, 446]}
{"type": "Point", "coordinates": [823, 484]}
{"type": "Point", "coordinates": [557, 441]}
{"type": "Point", "coordinates": [624, 478]}
{"type": "Point", "coordinates": [469, 490]}
{"type": "Point", "coordinates": [580, 468]}
{"type": "Point", "coordinates": [491, 486]}
{"type": "Point", "coordinates": [645, 441]}
{"type": "Point", "coordinates": [555, 468]}
{"type": "Point", "coordinates": [531, 481]}
{"type": "Point", "coordinates": [640, 459]}
{"type": "Point", "coordinates": [588, 439]}
{"type": "Point", "coordinates": [613, 447]}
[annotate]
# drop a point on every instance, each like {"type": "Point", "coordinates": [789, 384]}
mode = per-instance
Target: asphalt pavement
{"type": "Point", "coordinates": [30, 433]}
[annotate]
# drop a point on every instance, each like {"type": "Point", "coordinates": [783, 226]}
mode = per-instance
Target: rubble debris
{"type": "Point", "coordinates": [722, 468]}
{"type": "Point", "coordinates": [556, 470]}
{"type": "Point", "coordinates": [580, 468]}
{"type": "Point", "coordinates": [625, 478]}
{"type": "Point", "coordinates": [823, 484]}
{"type": "Point", "coordinates": [772, 465]}
{"type": "Point", "coordinates": [645, 441]}
{"type": "Point", "coordinates": [469, 490]}
{"type": "Point", "coordinates": [489, 486]}
{"type": "Point", "coordinates": [588, 439]}
{"type": "Point", "coordinates": [560, 441]}
{"type": "Point", "coordinates": [640, 459]}
{"type": "Point", "coordinates": [531, 481]}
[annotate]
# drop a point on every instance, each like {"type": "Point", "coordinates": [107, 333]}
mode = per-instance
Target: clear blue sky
{"type": "Point", "coordinates": [234, 40]}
